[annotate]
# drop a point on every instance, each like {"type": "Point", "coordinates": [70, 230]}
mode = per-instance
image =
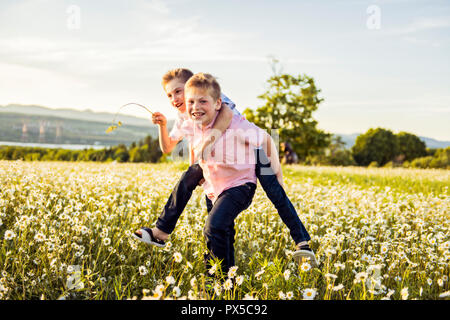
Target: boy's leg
{"type": "Point", "coordinates": [219, 228]}
{"type": "Point", "coordinates": [179, 198]}
{"type": "Point", "coordinates": [209, 204]}
{"type": "Point", "coordinates": [278, 197]}
{"type": "Point", "coordinates": [231, 245]}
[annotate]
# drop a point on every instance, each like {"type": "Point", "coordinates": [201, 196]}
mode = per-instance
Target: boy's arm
{"type": "Point", "coordinates": [191, 156]}
{"type": "Point", "coordinates": [271, 152]}
{"type": "Point", "coordinates": [166, 143]}
{"type": "Point", "coordinates": [221, 124]}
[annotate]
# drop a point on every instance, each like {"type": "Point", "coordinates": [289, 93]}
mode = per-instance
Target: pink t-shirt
{"type": "Point", "coordinates": [232, 159]}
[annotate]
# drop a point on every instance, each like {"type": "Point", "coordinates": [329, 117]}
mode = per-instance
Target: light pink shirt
{"type": "Point", "coordinates": [232, 160]}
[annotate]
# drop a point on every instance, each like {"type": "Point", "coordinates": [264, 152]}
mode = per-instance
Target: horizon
{"type": "Point", "coordinates": [170, 119]}
{"type": "Point", "coordinates": [378, 63]}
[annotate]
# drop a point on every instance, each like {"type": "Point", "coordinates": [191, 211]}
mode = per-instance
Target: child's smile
{"type": "Point", "coordinates": [201, 106]}
{"type": "Point", "coordinates": [175, 92]}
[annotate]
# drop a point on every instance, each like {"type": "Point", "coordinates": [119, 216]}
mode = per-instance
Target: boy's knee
{"type": "Point", "coordinates": [213, 230]}
{"type": "Point", "coordinates": [192, 176]}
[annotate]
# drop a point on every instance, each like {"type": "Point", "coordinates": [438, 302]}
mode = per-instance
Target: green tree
{"type": "Point", "coordinates": [376, 145]}
{"type": "Point", "coordinates": [121, 153]}
{"type": "Point", "coordinates": [136, 155]}
{"type": "Point", "coordinates": [289, 104]}
{"type": "Point", "coordinates": [338, 154]}
{"type": "Point", "coordinates": [410, 146]}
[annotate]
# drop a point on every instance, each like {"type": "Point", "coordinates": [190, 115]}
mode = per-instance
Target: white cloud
{"type": "Point", "coordinates": [421, 24]}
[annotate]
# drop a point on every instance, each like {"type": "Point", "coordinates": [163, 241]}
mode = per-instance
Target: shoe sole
{"type": "Point", "coordinates": [147, 242]}
{"type": "Point", "coordinates": [305, 256]}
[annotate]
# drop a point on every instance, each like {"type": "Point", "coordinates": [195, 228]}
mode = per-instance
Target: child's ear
{"type": "Point", "coordinates": [218, 104]}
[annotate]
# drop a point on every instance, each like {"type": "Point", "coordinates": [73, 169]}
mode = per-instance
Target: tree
{"type": "Point", "coordinates": [121, 153]}
{"type": "Point", "coordinates": [410, 146]}
{"type": "Point", "coordinates": [338, 154]}
{"type": "Point", "coordinates": [376, 145]}
{"type": "Point", "coordinates": [289, 104]}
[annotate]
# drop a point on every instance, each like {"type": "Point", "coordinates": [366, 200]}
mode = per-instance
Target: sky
{"type": "Point", "coordinates": [377, 63]}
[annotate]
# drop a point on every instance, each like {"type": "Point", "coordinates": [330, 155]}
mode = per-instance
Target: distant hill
{"type": "Point", "coordinates": [36, 124]}
{"type": "Point", "coordinates": [350, 139]}
{"type": "Point", "coordinates": [87, 115]}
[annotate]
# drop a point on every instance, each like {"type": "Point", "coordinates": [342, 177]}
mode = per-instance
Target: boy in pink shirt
{"type": "Point", "coordinates": [229, 171]}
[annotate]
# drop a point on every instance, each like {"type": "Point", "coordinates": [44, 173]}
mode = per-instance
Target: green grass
{"type": "Point", "coordinates": [377, 233]}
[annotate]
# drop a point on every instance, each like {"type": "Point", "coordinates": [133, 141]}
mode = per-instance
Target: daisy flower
{"type": "Point", "coordinates": [338, 287]}
{"type": "Point", "coordinates": [177, 257]}
{"type": "Point", "coordinates": [170, 280]}
{"type": "Point", "coordinates": [287, 274]}
{"type": "Point", "coordinates": [239, 280]}
{"type": "Point", "coordinates": [143, 270]}
{"type": "Point", "coordinates": [106, 241]}
{"type": "Point", "coordinates": [217, 289]}
{"type": "Point", "coordinates": [232, 272]}
{"type": "Point", "coordinates": [305, 266]}
{"type": "Point", "coordinates": [176, 291]}
{"type": "Point", "coordinates": [228, 284]}
{"type": "Point", "coordinates": [212, 270]}
{"type": "Point", "coordinates": [9, 235]}
{"type": "Point", "coordinates": [309, 294]}
{"type": "Point", "coordinates": [404, 293]}
{"type": "Point", "coordinates": [39, 237]}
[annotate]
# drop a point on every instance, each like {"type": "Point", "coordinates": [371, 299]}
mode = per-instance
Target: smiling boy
{"type": "Point", "coordinates": [173, 84]}
{"type": "Point", "coordinates": [229, 170]}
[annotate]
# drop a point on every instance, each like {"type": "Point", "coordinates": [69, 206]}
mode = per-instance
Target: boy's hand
{"type": "Point", "coordinates": [159, 119]}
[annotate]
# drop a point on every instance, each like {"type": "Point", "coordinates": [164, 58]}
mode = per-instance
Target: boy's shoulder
{"type": "Point", "coordinates": [181, 127]}
{"type": "Point", "coordinates": [239, 121]}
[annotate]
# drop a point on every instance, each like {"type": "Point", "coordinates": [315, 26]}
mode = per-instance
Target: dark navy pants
{"type": "Point", "coordinates": [278, 197]}
{"type": "Point", "coordinates": [191, 177]}
{"type": "Point", "coordinates": [219, 227]}
{"type": "Point", "coordinates": [179, 198]}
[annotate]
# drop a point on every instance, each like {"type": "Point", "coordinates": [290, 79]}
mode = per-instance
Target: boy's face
{"type": "Point", "coordinates": [175, 92]}
{"type": "Point", "coordinates": [201, 106]}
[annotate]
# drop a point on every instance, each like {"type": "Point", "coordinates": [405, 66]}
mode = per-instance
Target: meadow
{"type": "Point", "coordinates": [65, 233]}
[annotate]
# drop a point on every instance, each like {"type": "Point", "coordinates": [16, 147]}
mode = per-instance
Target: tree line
{"type": "Point", "coordinates": [146, 150]}
{"type": "Point", "coordinates": [379, 147]}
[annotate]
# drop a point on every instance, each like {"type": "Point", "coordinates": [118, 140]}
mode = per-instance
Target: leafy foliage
{"type": "Point", "coordinates": [410, 146]}
{"type": "Point", "coordinates": [289, 104]}
{"type": "Point", "coordinates": [440, 159]}
{"type": "Point", "coordinates": [380, 145]}
{"type": "Point", "coordinates": [147, 150]}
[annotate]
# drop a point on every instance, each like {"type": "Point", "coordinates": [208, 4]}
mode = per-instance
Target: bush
{"type": "Point", "coordinates": [373, 164]}
{"type": "Point", "coordinates": [440, 160]}
{"type": "Point", "coordinates": [379, 145]}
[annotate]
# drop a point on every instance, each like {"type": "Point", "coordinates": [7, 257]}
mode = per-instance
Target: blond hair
{"type": "Point", "coordinates": [179, 73]}
{"type": "Point", "coordinates": [205, 81]}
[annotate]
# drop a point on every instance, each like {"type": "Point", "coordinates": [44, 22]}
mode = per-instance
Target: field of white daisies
{"type": "Point", "coordinates": [65, 233]}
